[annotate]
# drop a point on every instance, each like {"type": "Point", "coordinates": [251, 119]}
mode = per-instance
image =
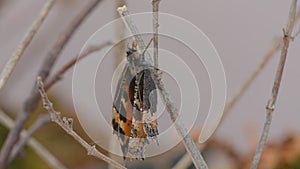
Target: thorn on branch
{"type": "Point", "coordinates": [270, 106]}
{"type": "Point", "coordinates": [68, 122]}
{"type": "Point", "coordinates": [92, 150]}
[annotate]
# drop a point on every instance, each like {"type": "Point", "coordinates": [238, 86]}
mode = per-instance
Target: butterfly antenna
{"type": "Point", "coordinates": [147, 46]}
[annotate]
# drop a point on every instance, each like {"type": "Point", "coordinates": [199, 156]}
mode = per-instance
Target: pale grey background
{"type": "Point", "coordinates": [242, 31]}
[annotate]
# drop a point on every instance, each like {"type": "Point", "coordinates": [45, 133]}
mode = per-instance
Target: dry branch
{"type": "Point", "coordinates": [58, 75]}
{"type": "Point", "coordinates": [184, 161]}
{"type": "Point", "coordinates": [32, 101]}
{"type": "Point", "coordinates": [124, 13]}
{"type": "Point", "coordinates": [43, 120]}
{"type": "Point", "coordinates": [12, 62]}
{"type": "Point", "coordinates": [40, 122]}
{"type": "Point", "coordinates": [244, 87]}
{"type": "Point", "coordinates": [119, 50]}
{"type": "Point", "coordinates": [67, 125]}
{"type": "Point", "coordinates": [271, 102]}
{"type": "Point", "coordinates": [155, 4]}
{"type": "Point", "coordinates": [267, 57]}
{"type": "Point", "coordinates": [120, 32]}
{"type": "Point", "coordinates": [188, 142]}
{"type": "Point", "coordinates": [39, 149]}
{"type": "Point", "coordinates": [65, 36]}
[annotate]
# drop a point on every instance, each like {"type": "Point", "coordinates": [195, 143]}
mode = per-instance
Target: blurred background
{"type": "Point", "coordinates": [241, 31]}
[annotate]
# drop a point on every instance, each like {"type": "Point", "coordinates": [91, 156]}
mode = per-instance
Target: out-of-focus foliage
{"type": "Point", "coordinates": [27, 160]}
{"type": "Point", "coordinates": [294, 165]}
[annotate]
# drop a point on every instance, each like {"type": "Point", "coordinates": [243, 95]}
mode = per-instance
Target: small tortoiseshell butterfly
{"type": "Point", "coordinates": [134, 108]}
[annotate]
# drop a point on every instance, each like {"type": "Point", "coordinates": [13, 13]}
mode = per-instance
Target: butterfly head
{"type": "Point", "coordinates": [133, 54]}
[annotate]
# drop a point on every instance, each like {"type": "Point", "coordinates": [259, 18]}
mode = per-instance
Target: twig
{"type": "Point", "coordinates": [188, 142]}
{"type": "Point", "coordinates": [271, 102]}
{"type": "Point", "coordinates": [119, 51]}
{"type": "Point", "coordinates": [244, 87]}
{"type": "Point", "coordinates": [266, 58]}
{"type": "Point", "coordinates": [66, 125]}
{"type": "Point", "coordinates": [297, 33]}
{"type": "Point", "coordinates": [182, 131]}
{"type": "Point", "coordinates": [120, 32]}
{"type": "Point", "coordinates": [213, 143]}
{"type": "Point", "coordinates": [32, 101]}
{"type": "Point", "coordinates": [184, 162]}
{"type": "Point", "coordinates": [64, 37]}
{"type": "Point", "coordinates": [58, 75]}
{"type": "Point", "coordinates": [12, 62]}
{"type": "Point", "coordinates": [43, 120]}
{"type": "Point", "coordinates": [155, 4]}
{"type": "Point", "coordinates": [296, 19]}
{"type": "Point", "coordinates": [39, 149]}
{"type": "Point", "coordinates": [40, 122]}
{"type": "Point", "coordinates": [124, 13]}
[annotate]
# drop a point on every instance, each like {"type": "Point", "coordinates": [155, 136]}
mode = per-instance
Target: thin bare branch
{"type": "Point", "coordinates": [184, 162]}
{"type": "Point", "coordinates": [40, 122]}
{"type": "Point", "coordinates": [188, 142]}
{"type": "Point", "coordinates": [266, 58]}
{"type": "Point", "coordinates": [58, 75]}
{"type": "Point", "coordinates": [297, 33]}
{"type": "Point", "coordinates": [45, 119]}
{"type": "Point", "coordinates": [65, 36]}
{"type": "Point", "coordinates": [39, 149]}
{"type": "Point", "coordinates": [120, 32]}
{"type": "Point", "coordinates": [12, 62]}
{"type": "Point", "coordinates": [173, 111]}
{"type": "Point", "coordinates": [148, 45]}
{"type": "Point", "coordinates": [32, 101]}
{"type": "Point", "coordinates": [67, 126]}
{"type": "Point", "coordinates": [296, 19]}
{"type": "Point", "coordinates": [119, 51]}
{"type": "Point", "coordinates": [271, 102]}
{"type": "Point", "coordinates": [155, 4]}
{"type": "Point", "coordinates": [244, 87]}
{"type": "Point", "coordinates": [124, 13]}
{"type": "Point", "coordinates": [213, 143]}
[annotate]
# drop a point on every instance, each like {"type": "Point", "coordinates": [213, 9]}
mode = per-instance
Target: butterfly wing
{"type": "Point", "coordinates": [122, 110]}
{"type": "Point", "coordinates": [134, 109]}
{"type": "Point", "coordinates": [149, 103]}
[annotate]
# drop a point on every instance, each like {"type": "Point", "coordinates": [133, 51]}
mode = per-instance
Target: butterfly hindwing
{"type": "Point", "coordinates": [149, 102]}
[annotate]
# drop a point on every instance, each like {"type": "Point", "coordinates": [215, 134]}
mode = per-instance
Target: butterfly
{"type": "Point", "coordinates": [134, 108]}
